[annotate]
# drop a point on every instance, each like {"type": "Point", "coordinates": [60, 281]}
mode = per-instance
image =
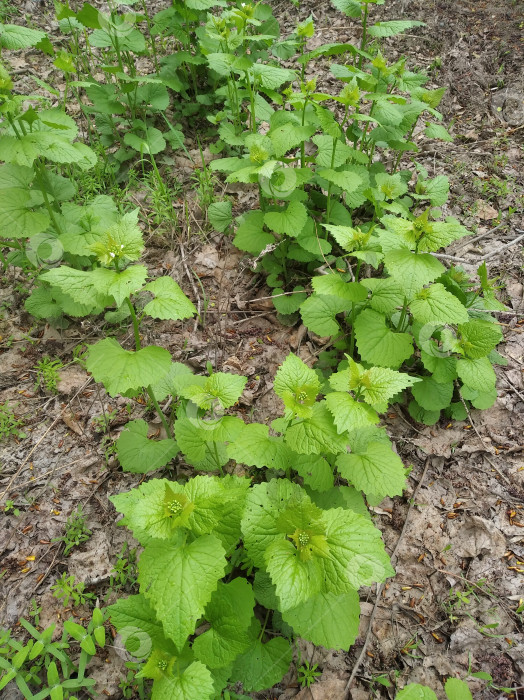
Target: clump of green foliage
{"type": "Point", "coordinates": [76, 531]}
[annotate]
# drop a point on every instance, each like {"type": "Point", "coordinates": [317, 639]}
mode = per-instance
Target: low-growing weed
{"type": "Point", "coordinates": [76, 531]}
{"type": "Point", "coordinates": [48, 374]}
{"type": "Point", "coordinates": [71, 592]}
{"type": "Point", "coordinates": [10, 424]}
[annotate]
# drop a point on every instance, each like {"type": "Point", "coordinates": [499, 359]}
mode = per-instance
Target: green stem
{"type": "Point", "coordinates": [352, 339]}
{"type": "Point", "coordinates": [159, 411]}
{"type": "Point", "coordinates": [264, 626]}
{"type": "Point", "coordinates": [328, 204]}
{"type": "Point", "coordinates": [364, 34]}
{"type": "Point", "coordinates": [303, 143]}
{"type": "Point", "coordinates": [402, 318]}
{"type": "Point", "coordinates": [43, 176]}
{"type": "Point", "coordinates": [136, 331]}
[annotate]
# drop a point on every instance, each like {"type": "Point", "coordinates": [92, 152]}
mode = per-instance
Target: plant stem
{"type": "Point", "coordinates": [152, 396]}
{"type": "Point", "coordinates": [402, 318]}
{"type": "Point", "coordinates": [364, 34]}
{"type": "Point", "coordinates": [43, 176]}
{"type": "Point", "coordinates": [136, 331]}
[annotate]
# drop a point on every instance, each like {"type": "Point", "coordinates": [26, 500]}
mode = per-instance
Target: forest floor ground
{"type": "Point", "coordinates": [460, 543]}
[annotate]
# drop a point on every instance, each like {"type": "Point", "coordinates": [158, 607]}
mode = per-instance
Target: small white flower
{"type": "Point", "coordinates": [122, 246]}
{"type": "Point", "coordinates": [112, 255]}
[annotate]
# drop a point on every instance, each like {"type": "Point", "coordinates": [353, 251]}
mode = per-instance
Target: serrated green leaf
{"type": "Point", "coordinates": [439, 234]}
{"type": "Point", "coordinates": [220, 387]}
{"type": "Point", "coordinates": [432, 395]}
{"type": "Point", "coordinates": [140, 455]}
{"type": "Point", "coordinates": [378, 472]}
{"type": "Point", "coordinates": [123, 370]}
{"type": "Point", "coordinates": [479, 338]}
{"type": "Point", "coordinates": [477, 374]}
{"type": "Point", "coordinates": [250, 235]}
{"type": "Point", "coordinates": [317, 434]}
{"type": "Point", "coordinates": [272, 77]}
{"type": "Point", "coordinates": [346, 180]}
{"type": "Point", "coordinates": [297, 385]}
{"type": "Point", "coordinates": [349, 414]}
{"type": "Point", "coordinates": [229, 612]}
{"type": "Point", "coordinates": [288, 136]}
{"type": "Point", "coordinates": [314, 470]}
{"type": "Point", "coordinates": [421, 414]}
{"type": "Point", "coordinates": [393, 27]}
{"type": "Point", "coordinates": [119, 285]}
{"type": "Point", "coordinates": [324, 157]}
{"type": "Point", "coordinates": [121, 241]}
{"type": "Point", "coordinates": [412, 271]}
{"type": "Point", "coordinates": [356, 552]}
{"type": "Point", "coordinates": [289, 221]}
{"type": "Point", "coordinates": [14, 36]}
{"type": "Point", "coordinates": [289, 303]}
{"type": "Point", "coordinates": [457, 689]}
{"type": "Point", "coordinates": [170, 302]}
{"type": "Point", "coordinates": [479, 399]}
{"type": "Point", "coordinates": [351, 8]}
{"type": "Point", "coordinates": [436, 190]}
{"type": "Point", "coordinates": [42, 304]}
{"type": "Point", "coordinates": [296, 578]}
{"type": "Point", "coordinates": [179, 580]}
{"type": "Point", "coordinates": [136, 614]}
{"type": "Point", "coordinates": [149, 140]}
{"type": "Point", "coordinates": [333, 285]}
{"type": "Point", "coordinates": [219, 214]}
{"type": "Point", "coordinates": [414, 691]}
{"type": "Point", "coordinates": [263, 665]}
{"type": "Point", "coordinates": [318, 313]}
{"type": "Point", "coordinates": [195, 681]}
{"type": "Point", "coordinates": [387, 294]}
{"type": "Point", "coordinates": [327, 619]}
{"type": "Point", "coordinates": [255, 447]}
{"type": "Point", "coordinates": [436, 305]}
{"type": "Point", "coordinates": [378, 344]}
{"type": "Point", "coordinates": [437, 131]}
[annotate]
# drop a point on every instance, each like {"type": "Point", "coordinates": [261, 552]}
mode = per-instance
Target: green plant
{"type": "Point", "coordinates": [76, 531]}
{"type": "Point", "coordinates": [125, 571]}
{"type": "Point", "coordinates": [35, 612]}
{"type": "Point", "coordinates": [11, 508]}
{"type": "Point", "coordinates": [47, 374]}
{"type": "Point", "coordinates": [133, 685]}
{"type": "Point", "coordinates": [10, 424]}
{"type": "Point", "coordinates": [7, 10]}
{"type": "Point", "coordinates": [337, 203]}
{"type": "Point", "coordinates": [48, 666]}
{"type": "Point", "coordinates": [102, 422]}
{"type": "Point", "coordinates": [68, 590]}
{"type": "Point", "coordinates": [307, 675]}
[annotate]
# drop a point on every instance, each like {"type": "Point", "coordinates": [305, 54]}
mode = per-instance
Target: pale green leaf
{"type": "Point", "coordinates": [349, 414]}
{"type": "Point", "coordinates": [124, 370]}
{"type": "Point", "coordinates": [138, 454]}
{"type": "Point", "coordinates": [195, 681]}
{"type": "Point", "coordinates": [219, 214]}
{"type": "Point", "coordinates": [297, 385]}
{"type": "Point", "coordinates": [415, 691]}
{"type": "Point", "coordinates": [229, 612]}
{"type": "Point", "coordinates": [346, 180]}
{"type": "Point", "coordinates": [479, 338]}
{"type": "Point", "coordinates": [296, 578]}
{"type": "Point", "coordinates": [119, 285]}
{"type": "Point", "coordinates": [318, 313]}
{"type": "Point", "coordinates": [332, 284]}
{"type": "Point", "coordinates": [378, 344]}
{"type": "Point", "coordinates": [412, 271]}
{"type": "Point", "coordinates": [435, 304]}
{"type": "Point", "coordinates": [378, 472]}
{"type": "Point", "coordinates": [324, 157]}
{"type": "Point", "coordinates": [170, 302]}
{"type": "Point", "coordinates": [437, 131]}
{"type": "Point", "coordinates": [477, 374]}
{"type": "Point", "coordinates": [392, 28]}
{"type": "Point", "coordinates": [179, 580]}
{"type": "Point", "coordinates": [387, 294]}
{"type": "Point", "coordinates": [315, 471]}
{"type": "Point", "coordinates": [221, 387]}
{"type": "Point", "coordinates": [327, 619]}
{"type": "Point", "coordinates": [289, 221]}
{"type": "Point", "coordinates": [316, 435]}
{"type": "Point", "coordinates": [250, 235]}
{"type": "Point", "coordinates": [263, 665]}
{"type": "Point", "coordinates": [433, 395]}
{"type": "Point", "coordinates": [256, 448]}
{"type": "Point", "coordinates": [289, 136]}
{"type": "Point", "coordinates": [457, 689]}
